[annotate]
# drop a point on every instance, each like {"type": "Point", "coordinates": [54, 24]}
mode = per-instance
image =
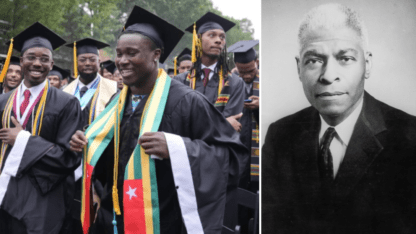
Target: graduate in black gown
{"type": "Point", "coordinates": [211, 30]}
{"type": "Point", "coordinates": [210, 144]}
{"type": "Point", "coordinates": [93, 92]}
{"type": "Point", "coordinates": [245, 61]}
{"type": "Point", "coordinates": [38, 120]}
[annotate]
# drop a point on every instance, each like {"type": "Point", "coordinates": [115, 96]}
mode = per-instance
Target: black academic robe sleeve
{"type": "Point", "coordinates": [48, 155]}
{"type": "Point", "coordinates": [214, 151]}
{"type": "Point", "coordinates": [235, 104]}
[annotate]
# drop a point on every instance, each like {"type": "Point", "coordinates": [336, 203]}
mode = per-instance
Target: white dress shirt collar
{"type": "Point", "coordinates": [345, 128]}
{"type": "Point", "coordinates": [212, 67]}
{"type": "Point", "coordinates": [34, 90]}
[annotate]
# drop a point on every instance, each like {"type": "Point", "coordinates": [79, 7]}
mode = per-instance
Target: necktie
{"type": "Point", "coordinates": [206, 77]}
{"type": "Point", "coordinates": [25, 102]}
{"type": "Point", "coordinates": [83, 91]}
{"type": "Point", "coordinates": [326, 168]}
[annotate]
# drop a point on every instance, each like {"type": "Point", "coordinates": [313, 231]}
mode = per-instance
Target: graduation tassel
{"type": "Point", "coordinates": [116, 203]}
{"type": "Point", "coordinates": [75, 60]}
{"type": "Point", "coordinates": [194, 44]}
{"type": "Point", "coordinates": [175, 61]}
{"type": "Point", "coordinates": [7, 62]}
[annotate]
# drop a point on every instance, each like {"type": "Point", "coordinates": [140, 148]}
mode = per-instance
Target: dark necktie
{"type": "Point", "coordinates": [326, 167]}
{"type": "Point", "coordinates": [206, 77]}
{"type": "Point", "coordinates": [25, 102]}
{"type": "Point", "coordinates": [83, 91]}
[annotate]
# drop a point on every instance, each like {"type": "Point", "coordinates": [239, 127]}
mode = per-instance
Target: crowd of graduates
{"type": "Point", "coordinates": [124, 146]}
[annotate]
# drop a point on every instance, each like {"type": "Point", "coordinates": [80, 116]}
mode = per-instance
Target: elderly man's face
{"type": "Point", "coordinates": [332, 67]}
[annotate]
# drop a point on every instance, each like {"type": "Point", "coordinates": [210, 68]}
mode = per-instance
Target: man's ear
{"type": "Point", "coordinates": [298, 64]}
{"type": "Point", "coordinates": [157, 54]}
{"type": "Point", "coordinates": [368, 64]}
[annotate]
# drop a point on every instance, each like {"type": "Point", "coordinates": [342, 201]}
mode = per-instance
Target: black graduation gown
{"type": "Point", "coordinates": [235, 103]}
{"type": "Point", "coordinates": [246, 137]}
{"type": "Point", "coordinates": [212, 146]}
{"type": "Point", "coordinates": [42, 191]}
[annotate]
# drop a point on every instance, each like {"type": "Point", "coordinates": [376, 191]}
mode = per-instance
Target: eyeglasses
{"type": "Point", "coordinates": [43, 60]}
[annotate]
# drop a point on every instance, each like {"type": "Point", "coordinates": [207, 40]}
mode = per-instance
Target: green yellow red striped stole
{"type": "Point", "coordinates": [140, 196]}
{"type": "Point", "coordinates": [254, 162]}
{"type": "Point", "coordinates": [37, 123]}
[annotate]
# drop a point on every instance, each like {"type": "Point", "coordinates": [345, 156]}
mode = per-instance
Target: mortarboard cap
{"type": "Point", "coordinates": [111, 68]}
{"type": "Point", "coordinates": [211, 21]}
{"type": "Point", "coordinates": [243, 51]}
{"type": "Point", "coordinates": [88, 45]}
{"type": "Point", "coordinates": [185, 55]}
{"type": "Point", "coordinates": [108, 65]}
{"type": "Point", "coordinates": [14, 60]}
{"type": "Point", "coordinates": [105, 63]}
{"type": "Point", "coordinates": [162, 33]}
{"type": "Point", "coordinates": [57, 71]}
{"type": "Point", "coordinates": [37, 35]}
{"type": "Point", "coordinates": [170, 70]}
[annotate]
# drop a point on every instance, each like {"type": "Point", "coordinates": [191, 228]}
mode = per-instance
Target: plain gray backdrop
{"type": "Point", "coordinates": [392, 40]}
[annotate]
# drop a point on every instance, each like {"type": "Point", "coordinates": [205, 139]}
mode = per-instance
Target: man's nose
{"type": "Point", "coordinates": [330, 71]}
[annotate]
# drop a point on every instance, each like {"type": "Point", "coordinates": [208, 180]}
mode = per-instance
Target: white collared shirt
{"type": "Point", "coordinates": [211, 73]}
{"type": "Point", "coordinates": [342, 137]}
{"type": "Point", "coordinates": [34, 92]}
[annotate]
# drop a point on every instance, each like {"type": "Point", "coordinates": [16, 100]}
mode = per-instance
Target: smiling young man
{"type": "Point", "coordinates": [13, 76]}
{"type": "Point", "coordinates": [210, 75]}
{"type": "Point", "coordinates": [38, 120]}
{"type": "Point", "coordinates": [346, 164]}
{"type": "Point", "coordinates": [162, 170]}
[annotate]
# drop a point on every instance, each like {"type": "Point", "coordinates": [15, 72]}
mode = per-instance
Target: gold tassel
{"type": "Point", "coordinates": [7, 62]}
{"type": "Point", "coordinates": [75, 60]}
{"type": "Point", "coordinates": [116, 203]}
{"type": "Point", "coordinates": [175, 62]}
{"type": "Point", "coordinates": [221, 82]}
{"type": "Point", "coordinates": [194, 44]}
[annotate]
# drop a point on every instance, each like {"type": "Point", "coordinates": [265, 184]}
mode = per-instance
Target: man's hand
{"type": "Point", "coordinates": [233, 120]}
{"type": "Point", "coordinates": [8, 135]}
{"type": "Point", "coordinates": [154, 143]}
{"type": "Point", "coordinates": [254, 104]}
{"type": "Point", "coordinates": [78, 141]}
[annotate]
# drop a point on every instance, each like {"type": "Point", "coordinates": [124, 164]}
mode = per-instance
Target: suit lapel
{"type": "Point", "coordinates": [363, 148]}
{"type": "Point", "coordinates": [306, 154]}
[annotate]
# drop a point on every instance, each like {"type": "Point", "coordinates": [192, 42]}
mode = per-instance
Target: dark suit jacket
{"type": "Point", "coordinates": [373, 192]}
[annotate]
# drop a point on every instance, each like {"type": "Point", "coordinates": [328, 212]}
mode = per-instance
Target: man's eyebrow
{"type": "Point", "coordinates": [312, 53]}
{"type": "Point", "coordinates": [342, 52]}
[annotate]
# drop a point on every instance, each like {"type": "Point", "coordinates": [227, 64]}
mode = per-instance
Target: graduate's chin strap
{"type": "Point", "coordinates": [7, 62]}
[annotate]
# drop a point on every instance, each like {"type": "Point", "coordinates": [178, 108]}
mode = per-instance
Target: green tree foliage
{"type": "Point", "coordinates": [104, 19]}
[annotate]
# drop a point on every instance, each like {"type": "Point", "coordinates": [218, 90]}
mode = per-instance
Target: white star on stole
{"type": "Point", "coordinates": [131, 192]}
